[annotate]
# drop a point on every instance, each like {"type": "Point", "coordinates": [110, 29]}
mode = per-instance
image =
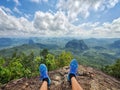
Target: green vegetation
{"type": "Point", "coordinates": [24, 60]}
{"type": "Point", "coordinates": [22, 65]}
{"type": "Point", "coordinates": [113, 70]}
{"type": "Point", "coordinates": [94, 58]}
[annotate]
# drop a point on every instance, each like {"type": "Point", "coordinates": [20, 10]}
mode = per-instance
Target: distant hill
{"type": "Point", "coordinates": [99, 48]}
{"type": "Point", "coordinates": [4, 42]}
{"type": "Point", "coordinates": [116, 44]}
{"type": "Point", "coordinates": [87, 77]}
{"type": "Point", "coordinates": [31, 42]}
{"type": "Point", "coordinates": [97, 55]}
{"type": "Point", "coordinates": [76, 44]}
{"type": "Point", "coordinates": [27, 48]}
{"type": "Point", "coordinates": [92, 42]}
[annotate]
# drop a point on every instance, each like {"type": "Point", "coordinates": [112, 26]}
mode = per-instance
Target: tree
{"type": "Point", "coordinates": [64, 59]}
{"type": "Point", "coordinates": [113, 69]}
{"type": "Point", "coordinates": [4, 75]}
{"type": "Point", "coordinates": [2, 61]}
{"type": "Point", "coordinates": [116, 69]}
{"type": "Point", "coordinates": [14, 53]}
{"type": "Point", "coordinates": [22, 65]}
{"type": "Point", "coordinates": [43, 55]}
{"type": "Point", "coordinates": [4, 72]}
{"type": "Point", "coordinates": [16, 69]}
{"type": "Point", "coordinates": [50, 62]}
{"type": "Point", "coordinates": [37, 61]}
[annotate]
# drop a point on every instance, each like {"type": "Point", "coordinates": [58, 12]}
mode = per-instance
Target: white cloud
{"type": "Point", "coordinates": [75, 8]}
{"type": "Point", "coordinates": [7, 10]}
{"type": "Point", "coordinates": [111, 3]}
{"type": "Point", "coordinates": [54, 24]}
{"type": "Point", "coordinates": [38, 1]}
{"type": "Point", "coordinates": [14, 26]}
{"type": "Point", "coordinates": [111, 30]}
{"type": "Point", "coordinates": [97, 30]}
{"type": "Point", "coordinates": [87, 26]}
{"type": "Point", "coordinates": [57, 24]}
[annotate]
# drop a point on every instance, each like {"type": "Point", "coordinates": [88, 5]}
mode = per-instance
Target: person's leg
{"type": "Point", "coordinates": [75, 84]}
{"type": "Point", "coordinates": [44, 86]}
{"type": "Point", "coordinates": [44, 77]}
{"type": "Point", "coordinates": [72, 75]}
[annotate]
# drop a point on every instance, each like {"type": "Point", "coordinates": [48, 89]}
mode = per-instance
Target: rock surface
{"type": "Point", "coordinates": [88, 78]}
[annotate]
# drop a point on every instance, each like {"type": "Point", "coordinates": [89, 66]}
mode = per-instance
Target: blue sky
{"type": "Point", "coordinates": [57, 18]}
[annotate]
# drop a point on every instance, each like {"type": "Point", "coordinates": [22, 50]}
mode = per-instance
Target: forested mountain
{"type": "Point", "coordinates": [4, 42]}
{"type": "Point", "coordinates": [88, 55]}
{"type": "Point", "coordinates": [27, 48]}
{"type": "Point", "coordinates": [116, 44]}
{"type": "Point", "coordinates": [76, 44]}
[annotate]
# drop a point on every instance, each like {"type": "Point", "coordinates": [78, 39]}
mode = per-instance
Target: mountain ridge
{"type": "Point", "coordinates": [76, 44]}
{"type": "Point", "coordinates": [115, 44]}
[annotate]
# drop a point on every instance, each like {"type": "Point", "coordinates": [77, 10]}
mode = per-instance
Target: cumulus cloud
{"type": "Point", "coordinates": [54, 24]}
{"type": "Point", "coordinates": [45, 21]}
{"type": "Point", "coordinates": [58, 25]}
{"type": "Point", "coordinates": [14, 26]}
{"type": "Point", "coordinates": [6, 10]}
{"type": "Point", "coordinates": [43, 24]}
{"type": "Point", "coordinates": [110, 30]}
{"type": "Point", "coordinates": [75, 8]}
{"type": "Point", "coordinates": [97, 30]}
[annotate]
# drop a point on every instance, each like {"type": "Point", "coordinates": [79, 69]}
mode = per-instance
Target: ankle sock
{"type": "Point", "coordinates": [71, 75]}
{"type": "Point", "coordinates": [46, 79]}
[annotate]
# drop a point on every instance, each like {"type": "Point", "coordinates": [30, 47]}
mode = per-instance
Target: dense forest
{"type": "Point", "coordinates": [22, 65]}
{"type": "Point", "coordinates": [113, 70]}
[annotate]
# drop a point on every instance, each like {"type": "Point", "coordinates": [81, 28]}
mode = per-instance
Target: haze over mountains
{"type": "Point", "coordinates": [61, 41]}
{"type": "Point", "coordinates": [103, 51]}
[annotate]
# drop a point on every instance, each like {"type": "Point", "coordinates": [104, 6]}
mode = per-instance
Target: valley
{"type": "Point", "coordinates": [92, 52]}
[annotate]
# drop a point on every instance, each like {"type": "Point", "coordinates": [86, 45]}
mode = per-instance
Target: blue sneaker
{"type": "Point", "coordinates": [73, 69]}
{"type": "Point", "coordinates": [44, 73]}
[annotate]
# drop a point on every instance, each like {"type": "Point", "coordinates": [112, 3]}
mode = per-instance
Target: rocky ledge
{"type": "Point", "coordinates": [88, 78]}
